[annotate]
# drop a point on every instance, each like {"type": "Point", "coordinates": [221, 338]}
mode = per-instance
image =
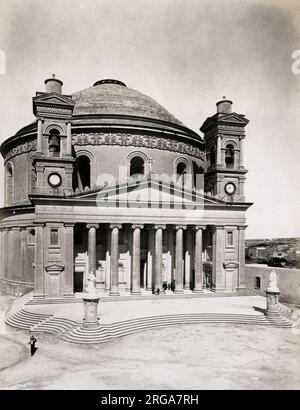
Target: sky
{"type": "Point", "coordinates": [187, 55]}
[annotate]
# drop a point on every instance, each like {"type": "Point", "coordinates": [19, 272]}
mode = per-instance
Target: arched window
{"type": "Point", "coordinates": [181, 171]}
{"type": "Point", "coordinates": [229, 156]}
{"type": "Point", "coordinates": [9, 184]}
{"type": "Point", "coordinates": [82, 173]}
{"type": "Point", "coordinates": [137, 166]}
{"type": "Point", "coordinates": [54, 143]}
{"type": "Point", "coordinates": [213, 155]}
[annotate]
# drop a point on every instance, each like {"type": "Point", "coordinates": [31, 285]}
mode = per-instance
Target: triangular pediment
{"type": "Point", "coordinates": [53, 98]}
{"type": "Point", "coordinates": [234, 118]}
{"type": "Point", "coordinates": [146, 193]}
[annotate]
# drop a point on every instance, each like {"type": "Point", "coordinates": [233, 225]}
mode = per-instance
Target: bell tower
{"type": "Point", "coordinates": [223, 135]}
{"type": "Point", "coordinates": [53, 160]}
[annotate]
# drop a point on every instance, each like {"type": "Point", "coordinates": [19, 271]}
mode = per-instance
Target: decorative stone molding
{"type": "Point", "coordinates": [96, 226]}
{"type": "Point", "coordinates": [146, 141]}
{"type": "Point", "coordinates": [230, 266]}
{"type": "Point", "coordinates": [197, 227]}
{"type": "Point", "coordinates": [54, 269]}
{"type": "Point", "coordinates": [137, 226]}
{"type": "Point", "coordinates": [112, 226]}
{"type": "Point", "coordinates": [21, 149]}
{"type": "Point", "coordinates": [159, 226]}
{"type": "Point", "coordinates": [177, 227]}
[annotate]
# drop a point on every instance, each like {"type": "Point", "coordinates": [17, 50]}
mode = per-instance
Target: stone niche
{"type": "Point", "coordinates": [54, 272]}
{"type": "Point", "coordinates": [231, 275]}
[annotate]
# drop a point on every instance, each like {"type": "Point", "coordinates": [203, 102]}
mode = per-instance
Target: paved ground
{"type": "Point", "coordinates": [184, 357]}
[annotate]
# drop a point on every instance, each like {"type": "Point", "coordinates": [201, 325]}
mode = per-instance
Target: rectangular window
{"type": "Point", "coordinates": [257, 284]}
{"type": "Point", "coordinates": [230, 238]}
{"type": "Point", "coordinates": [54, 237]}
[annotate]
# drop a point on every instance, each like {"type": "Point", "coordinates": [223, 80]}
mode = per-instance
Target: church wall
{"type": "Point", "coordinates": [288, 281]}
{"type": "Point", "coordinates": [112, 160]}
{"type": "Point", "coordinates": [21, 178]}
{"type": "Point", "coordinates": [17, 254]}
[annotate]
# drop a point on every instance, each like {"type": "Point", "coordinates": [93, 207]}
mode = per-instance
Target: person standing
{"type": "Point", "coordinates": [32, 342]}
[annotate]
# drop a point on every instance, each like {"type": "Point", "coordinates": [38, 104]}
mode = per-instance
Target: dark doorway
{"type": "Point", "coordinates": [78, 282]}
{"type": "Point", "coordinates": [142, 278]}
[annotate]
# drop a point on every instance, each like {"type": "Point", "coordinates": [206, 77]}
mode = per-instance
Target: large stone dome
{"type": "Point", "coordinates": [112, 97]}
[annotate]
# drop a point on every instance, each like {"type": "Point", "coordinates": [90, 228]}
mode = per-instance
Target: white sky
{"type": "Point", "coordinates": [186, 54]}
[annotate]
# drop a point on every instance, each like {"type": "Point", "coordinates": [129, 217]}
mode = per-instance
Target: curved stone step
{"type": "Point", "coordinates": [110, 332]}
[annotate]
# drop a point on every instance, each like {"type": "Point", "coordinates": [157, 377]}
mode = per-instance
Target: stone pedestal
{"type": "Point", "coordinates": [272, 303]}
{"type": "Point", "coordinates": [90, 311]}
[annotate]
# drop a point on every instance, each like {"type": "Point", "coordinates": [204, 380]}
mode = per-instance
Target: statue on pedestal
{"type": "Point", "coordinates": [90, 287]}
{"type": "Point", "coordinates": [273, 282]}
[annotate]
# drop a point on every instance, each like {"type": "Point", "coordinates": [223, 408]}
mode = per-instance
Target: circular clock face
{"type": "Point", "coordinates": [230, 188]}
{"type": "Point", "coordinates": [54, 180]}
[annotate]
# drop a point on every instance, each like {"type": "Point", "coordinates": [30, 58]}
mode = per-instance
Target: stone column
{"type": "Point", "coordinates": [219, 152]}
{"type": "Point", "coordinates": [107, 261]}
{"type": "Point", "coordinates": [170, 255]}
{"type": "Point", "coordinates": [129, 260]}
{"type": "Point", "coordinates": [39, 144]}
{"type": "Point", "coordinates": [187, 259]}
{"type": "Point", "coordinates": [114, 260]}
{"type": "Point", "coordinates": [150, 259]}
{"type": "Point", "coordinates": [39, 260]}
{"type": "Point", "coordinates": [198, 259]}
{"type": "Point", "coordinates": [218, 272]}
{"type": "Point", "coordinates": [92, 247]}
{"type": "Point", "coordinates": [69, 140]}
{"type": "Point", "coordinates": [136, 259]}
{"type": "Point", "coordinates": [241, 247]}
{"type": "Point", "coordinates": [158, 256]}
{"type": "Point", "coordinates": [241, 164]}
{"type": "Point", "coordinates": [179, 259]}
{"type": "Point", "coordinates": [68, 286]}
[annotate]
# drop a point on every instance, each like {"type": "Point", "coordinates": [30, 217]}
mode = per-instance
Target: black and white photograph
{"type": "Point", "coordinates": [149, 198]}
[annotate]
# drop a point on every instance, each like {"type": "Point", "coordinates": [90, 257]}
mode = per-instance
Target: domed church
{"type": "Point", "coordinates": [107, 181]}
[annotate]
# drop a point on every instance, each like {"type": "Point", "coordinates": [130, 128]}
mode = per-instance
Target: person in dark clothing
{"type": "Point", "coordinates": [157, 291]}
{"type": "Point", "coordinates": [165, 287]}
{"type": "Point", "coordinates": [32, 342]}
{"type": "Point", "coordinates": [173, 285]}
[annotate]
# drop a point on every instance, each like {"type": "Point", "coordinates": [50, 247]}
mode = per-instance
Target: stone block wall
{"type": "Point", "coordinates": [288, 281]}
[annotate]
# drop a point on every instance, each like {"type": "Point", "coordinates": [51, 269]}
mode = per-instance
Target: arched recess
{"type": "Point", "coordinates": [183, 172]}
{"type": "Point", "coordinates": [229, 156]}
{"type": "Point", "coordinates": [31, 177]}
{"type": "Point", "coordinates": [137, 164]}
{"type": "Point", "coordinates": [54, 142]}
{"type": "Point", "coordinates": [82, 172]}
{"type": "Point", "coordinates": [9, 183]}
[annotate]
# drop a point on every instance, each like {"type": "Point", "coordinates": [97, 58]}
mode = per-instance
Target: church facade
{"type": "Point", "coordinates": [107, 181]}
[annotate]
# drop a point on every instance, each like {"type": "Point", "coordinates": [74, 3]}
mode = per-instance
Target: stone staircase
{"type": "Point", "coordinates": [73, 332]}
{"type": "Point", "coordinates": [26, 320]}
{"type": "Point", "coordinates": [37, 322]}
{"type": "Point", "coordinates": [109, 332]}
{"type": "Point", "coordinates": [55, 325]}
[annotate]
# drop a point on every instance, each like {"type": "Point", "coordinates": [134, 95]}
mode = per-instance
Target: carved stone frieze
{"type": "Point", "coordinates": [137, 141]}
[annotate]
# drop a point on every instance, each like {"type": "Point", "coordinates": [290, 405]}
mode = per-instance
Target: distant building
{"type": "Point", "coordinates": [263, 250]}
